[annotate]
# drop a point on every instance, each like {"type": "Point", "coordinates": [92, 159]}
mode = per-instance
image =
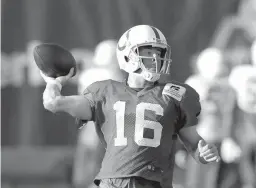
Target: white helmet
{"type": "Point", "coordinates": [105, 52]}
{"type": "Point", "coordinates": [253, 53]}
{"type": "Point", "coordinates": [128, 55]}
{"type": "Point", "coordinates": [210, 63]}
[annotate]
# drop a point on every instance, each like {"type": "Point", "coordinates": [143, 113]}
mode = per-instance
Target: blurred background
{"type": "Point", "coordinates": [209, 39]}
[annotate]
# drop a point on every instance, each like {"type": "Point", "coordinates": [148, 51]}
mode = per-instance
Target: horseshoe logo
{"type": "Point", "coordinates": [121, 48]}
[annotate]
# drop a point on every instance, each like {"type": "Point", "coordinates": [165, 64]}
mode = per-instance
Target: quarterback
{"type": "Point", "coordinates": [137, 120]}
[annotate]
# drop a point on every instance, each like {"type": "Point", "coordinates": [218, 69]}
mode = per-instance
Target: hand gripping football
{"type": "Point", "coordinates": [54, 60]}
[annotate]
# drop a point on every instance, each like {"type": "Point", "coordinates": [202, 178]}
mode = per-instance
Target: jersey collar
{"type": "Point", "coordinates": [142, 91]}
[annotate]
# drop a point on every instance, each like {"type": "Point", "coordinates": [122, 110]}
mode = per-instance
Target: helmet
{"type": "Point", "coordinates": [128, 55]}
{"type": "Point", "coordinates": [210, 63]}
{"type": "Point", "coordinates": [105, 53]}
{"type": "Point", "coordinates": [253, 53]}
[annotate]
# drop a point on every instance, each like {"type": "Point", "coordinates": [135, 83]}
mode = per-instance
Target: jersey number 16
{"type": "Point", "coordinates": [140, 124]}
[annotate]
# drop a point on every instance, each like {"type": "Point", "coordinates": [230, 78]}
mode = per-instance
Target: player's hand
{"type": "Point", "coordinates": [230, 151]}
{"type": "Point", "coordinates": [208, 152]}
{"type": "Point", "coordinates": [61, 79]}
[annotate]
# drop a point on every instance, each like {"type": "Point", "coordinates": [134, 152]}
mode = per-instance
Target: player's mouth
{"type": "Point", "coordinates": [152, 70]}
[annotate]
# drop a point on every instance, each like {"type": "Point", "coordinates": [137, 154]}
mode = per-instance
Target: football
{"type": "Point", "coordinates": [54, 60]}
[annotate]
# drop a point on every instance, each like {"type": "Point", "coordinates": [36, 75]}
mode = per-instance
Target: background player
{"type": "Point", "coordinates": [211, 83]}
{"type": "Point", "coordinates": [243, 80]}
{"type": "Point", "coordinates": [137, 120]}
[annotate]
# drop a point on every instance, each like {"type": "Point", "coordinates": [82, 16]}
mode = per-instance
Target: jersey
{"type": "Point", "coordinates": [138, 127]}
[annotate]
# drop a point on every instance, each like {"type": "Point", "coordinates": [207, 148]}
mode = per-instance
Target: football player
{"type": "Point", "coordinates": [243, 80]}
{"type": "Point", "coordinates": [211, 82]}
{"type": "Point", "coordinates": [137, 120]}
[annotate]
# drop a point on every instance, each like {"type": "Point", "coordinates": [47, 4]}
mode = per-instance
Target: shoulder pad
{"type": "Point", "coordinates": [178, 91]}
{"type": "Point", "coordinates": [97, 87]}
{"type": "Point", "coordinates": [189, 103]}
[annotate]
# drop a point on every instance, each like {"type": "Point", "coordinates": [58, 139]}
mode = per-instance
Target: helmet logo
{"type": "Point", "coordinates": [121, 48]}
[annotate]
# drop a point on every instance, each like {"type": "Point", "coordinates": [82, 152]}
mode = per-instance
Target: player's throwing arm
{"type": "Point", "coordinates": [57, 66]}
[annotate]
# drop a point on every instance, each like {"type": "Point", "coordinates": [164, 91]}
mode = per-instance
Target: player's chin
{"type": "Point", "coordinates": [152, 70]}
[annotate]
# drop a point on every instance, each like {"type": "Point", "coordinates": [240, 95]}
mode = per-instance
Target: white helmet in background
{"type": "Point", "coordinates": [105, 53]}
{"type": "Point", "coordinates": [253, 53]}
{"type": "Point", "coordinates": [210, 63]}
{"type": "Point", "coordinates": [128, 55]}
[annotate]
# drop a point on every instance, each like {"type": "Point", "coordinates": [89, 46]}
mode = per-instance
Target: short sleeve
{"type": "Point", "coordinates": [199, 84]}
{"type": "Point", "coordinates": [94, 93]}
{"type": "Point", "coordinates": [190, 107]}
{"type": "Point", "coordinates": [90, 93]}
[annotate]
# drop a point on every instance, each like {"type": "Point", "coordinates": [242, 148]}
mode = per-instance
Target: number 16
{"type": "Point", "coordinates": [140, 124]}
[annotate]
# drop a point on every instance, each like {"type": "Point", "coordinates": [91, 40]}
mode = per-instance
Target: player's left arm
{"type": "Point", "coordinates": [201, 151]}
{"type": "Point", "coordinates": [190, 109]}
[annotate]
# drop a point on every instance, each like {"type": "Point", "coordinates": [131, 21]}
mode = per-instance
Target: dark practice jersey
{"type": "Point", "coordinates": [138, 127]}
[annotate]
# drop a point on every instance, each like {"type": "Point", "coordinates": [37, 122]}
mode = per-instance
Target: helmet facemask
{"type": "Point", "coordinates": [160, 61]}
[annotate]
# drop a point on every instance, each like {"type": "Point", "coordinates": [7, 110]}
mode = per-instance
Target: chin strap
{"type": "Point", "coordinates": [149, 76]}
